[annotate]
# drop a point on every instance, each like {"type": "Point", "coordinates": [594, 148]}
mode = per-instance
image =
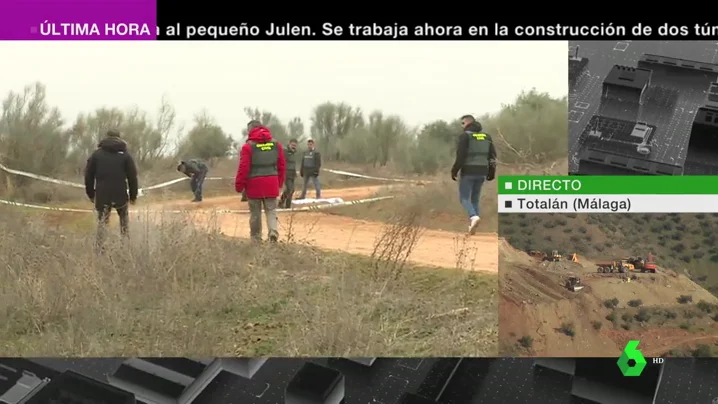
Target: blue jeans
{"type": "Point", "coordinates": [469, 192]}
{"type": "Point", "coordinates": [317, 186]}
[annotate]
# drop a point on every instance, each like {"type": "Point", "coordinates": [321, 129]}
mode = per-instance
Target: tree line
{"type": "Point", "coordinates": [35, 137]}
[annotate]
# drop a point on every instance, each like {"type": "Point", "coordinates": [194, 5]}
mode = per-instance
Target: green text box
{"type": "Point", "coordinates": [608, 185]}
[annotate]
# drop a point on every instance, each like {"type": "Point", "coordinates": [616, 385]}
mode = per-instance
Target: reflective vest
{"type": "Point", "coordinates": [479, 148]}
{"type": "Point", "coordinates": [291, 157]}
{"type": "Point", "coordinates": [308, 160]}
{"type": "Point", "coordinates": [264, 159]}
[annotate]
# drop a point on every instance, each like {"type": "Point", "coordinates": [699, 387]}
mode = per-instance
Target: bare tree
{"type": "Point", "coordinates": [332, 122]}
{"type": "Point", "coordinates": [33, 138]}
{"type": "Point", "coordinates": [206, 139]}
{"type": "Point", "coordinates": [147, 140]}
{"type": "Point", "coordinates": [387, 131]}
{"type": "Point", "coordinates": [531, 130]}
{"type": "Point", "coordinates": [271, 121]}
{"type": "Point", "coordinates": [296, 129]}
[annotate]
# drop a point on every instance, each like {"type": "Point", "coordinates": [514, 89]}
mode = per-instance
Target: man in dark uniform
{"type": "Point", "coordinates": [111, 182]}
{"type": "Point", "coordinates": [197, 171]}
{"type": "Point", "coordinates": [476, 163]}
{"type": "Point", "coordinates": [311, 164]}
{"type": "Point", "coordinates": [290, 156]}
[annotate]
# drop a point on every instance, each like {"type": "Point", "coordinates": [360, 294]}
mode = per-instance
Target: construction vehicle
{"type": "Point", "coordinates": [573, 283]}
{"type": "Point", "coordinates": [644, 265]}
{"type": "Point", "coordinates": [542, 256]}
{"type": "Point", "coordinates": [554, 257]}
{"type": "Point", "coordinates": [620, 266]}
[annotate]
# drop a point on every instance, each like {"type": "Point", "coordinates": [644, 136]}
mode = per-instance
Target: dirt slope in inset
{"type": "Point", "coordinates": [535, 303]}
{"type": "Point", "coordinates": [332, 232]}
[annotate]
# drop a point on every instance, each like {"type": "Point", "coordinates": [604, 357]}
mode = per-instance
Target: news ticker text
{"type": "Point", "coordinates": [396, 31]}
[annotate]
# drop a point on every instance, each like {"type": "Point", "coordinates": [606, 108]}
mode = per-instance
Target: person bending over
{"type": "Point", "coordinates": [196, 170]}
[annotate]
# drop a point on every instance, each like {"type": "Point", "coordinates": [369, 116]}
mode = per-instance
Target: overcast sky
{"type": "Point", "coordinates": [420, 81]}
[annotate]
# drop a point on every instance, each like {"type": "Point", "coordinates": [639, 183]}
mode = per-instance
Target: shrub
{"type": "Point", "coordinates": [635, 302]}
{"type": "Point", "coordinates": [684, 299]}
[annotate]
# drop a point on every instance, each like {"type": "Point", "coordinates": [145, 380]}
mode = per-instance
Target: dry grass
{"type": "Point", "coordinates": [438, 200]}
{"type": "Point", "coordinates": [174, 289]}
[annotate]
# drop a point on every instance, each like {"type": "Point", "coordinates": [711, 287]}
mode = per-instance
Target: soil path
{"type": "Point", "coordinates": [333, 232]}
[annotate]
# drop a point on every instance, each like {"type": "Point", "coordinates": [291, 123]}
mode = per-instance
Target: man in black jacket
{"type": "Point", "coordinates": [476, 163]}
{"type": "Point", "coordinates": [111, 182]}
{"type": "Point", "coordinates": [290, 155]}
{"type": "Point", "coordinates": [196, 170]}
{"type": "Point", "coordinates": [311, 164]}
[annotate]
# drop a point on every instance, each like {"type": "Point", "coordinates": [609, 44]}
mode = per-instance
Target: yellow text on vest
{"type": "Point", "coordinates": [264, 146]}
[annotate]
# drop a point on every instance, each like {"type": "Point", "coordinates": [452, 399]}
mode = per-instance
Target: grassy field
{"type": "Point", "coordinates": [441, 202]}
{"type": "Point", "coordinates": [175, 289]}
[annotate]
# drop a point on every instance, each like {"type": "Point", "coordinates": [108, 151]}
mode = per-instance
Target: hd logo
{"type": "Point", "coordinates": [632, 361]}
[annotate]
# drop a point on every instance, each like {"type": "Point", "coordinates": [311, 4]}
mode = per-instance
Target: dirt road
{"type": "Point", "coordinates": [332, 232]}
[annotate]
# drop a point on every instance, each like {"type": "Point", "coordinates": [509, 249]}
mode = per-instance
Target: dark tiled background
{"type": "Point", "coordinates": [446, 381]}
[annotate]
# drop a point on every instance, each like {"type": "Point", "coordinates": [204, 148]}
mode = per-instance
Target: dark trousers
{"type": "Point", "coordinates": [317, 186]}
{"type": "Point", "coordinates": [103, 220]}
{"type": "Point", "coordinates": [196, 183]}
{"type": "Point", "coordinates": [285, 201]}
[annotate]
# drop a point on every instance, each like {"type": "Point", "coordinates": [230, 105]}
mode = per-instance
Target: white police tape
{"type": "Point", "coordinates": [40, 177]}
{"type": "Point", "coordinates": [234, 211]}
{"type": "Point", "coordinates": [76, 185]}
{"type": "Point", "coordinates": [141, 191]}
{"type": "Point", "coordinates": [369, 177]}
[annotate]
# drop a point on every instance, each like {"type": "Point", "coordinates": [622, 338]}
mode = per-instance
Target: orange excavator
{"type": "Point", "coordinates": [645, 265]}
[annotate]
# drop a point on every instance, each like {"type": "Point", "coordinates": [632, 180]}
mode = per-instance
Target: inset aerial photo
{"type": "Point", "coordinates": [586, 284]}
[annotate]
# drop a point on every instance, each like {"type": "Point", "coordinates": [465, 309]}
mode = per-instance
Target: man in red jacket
{"type": "Point", "coordinates": [260, 175]}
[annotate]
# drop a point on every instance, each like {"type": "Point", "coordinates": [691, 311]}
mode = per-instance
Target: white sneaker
{"type": "Point", "coordinates": [473, 224]}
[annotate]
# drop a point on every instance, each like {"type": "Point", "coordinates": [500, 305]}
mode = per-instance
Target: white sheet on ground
{"type": "Point", "coordinates": [309, 201]}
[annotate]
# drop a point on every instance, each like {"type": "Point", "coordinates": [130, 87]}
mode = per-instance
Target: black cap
{"type": "Point", "coordinates": [253, 124]}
